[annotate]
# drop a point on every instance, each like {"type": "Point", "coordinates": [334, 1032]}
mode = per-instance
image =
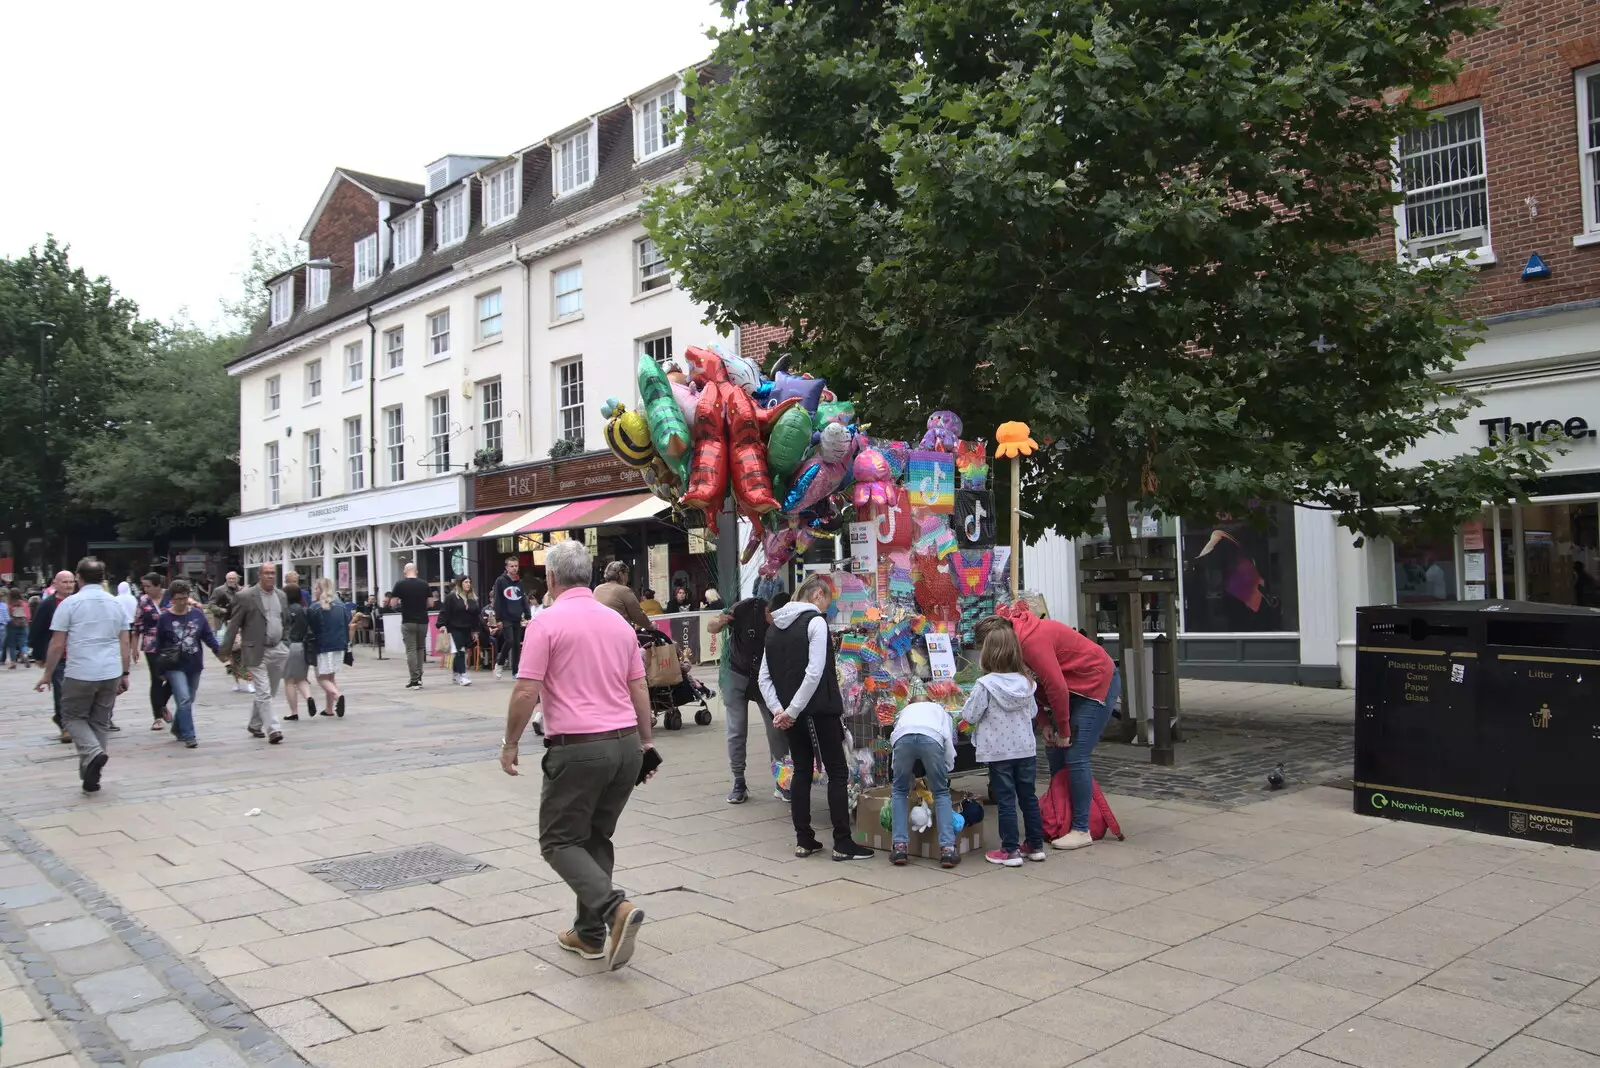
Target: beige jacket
{"type": "Point", "coordinates": [248, 620]}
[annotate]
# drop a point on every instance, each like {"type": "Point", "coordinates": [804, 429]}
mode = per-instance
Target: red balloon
{"type": "Point", "coordinates": [708, 475]}
{"type": "Point", "coordinates": [751, 483]}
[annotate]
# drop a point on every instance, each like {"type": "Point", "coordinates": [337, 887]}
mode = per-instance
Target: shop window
{"type": "Point", "coordinates": [1425, 570]}
{"type": "Point", "coordinates": [1561, 543]}
{"type": "Point", "coordinates": [1239, 575]}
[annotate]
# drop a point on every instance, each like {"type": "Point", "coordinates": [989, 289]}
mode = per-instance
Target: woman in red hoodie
{"type": "Point", "coordinates": [1078, 688]}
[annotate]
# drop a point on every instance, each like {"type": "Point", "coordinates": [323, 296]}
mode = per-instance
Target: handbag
{"type": "Point", "coordinates": [349, 658]}
{"type": "Point", "coordinates": [661, 667]}
{"type": "Point", "coordinates": [169, 657]}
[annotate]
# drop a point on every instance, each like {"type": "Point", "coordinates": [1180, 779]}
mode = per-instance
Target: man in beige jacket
{"type": "Point", "coordinates": [258, 616]}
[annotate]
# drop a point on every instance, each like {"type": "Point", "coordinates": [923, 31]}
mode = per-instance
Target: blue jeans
{"type": "Point", "coordinates": [907, 751]}
{"type": "Point", "coordinates": [12, 644]}
{"type": "Point", "coordinates": [184, 686]}
{"type": "Point", "coordinates": [1011, 784]}
{"type": "Point", "coordinates": [1088, 719]}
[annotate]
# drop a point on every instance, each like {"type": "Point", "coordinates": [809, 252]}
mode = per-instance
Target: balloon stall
{"type": "Point", "coordinates": [919, 517]}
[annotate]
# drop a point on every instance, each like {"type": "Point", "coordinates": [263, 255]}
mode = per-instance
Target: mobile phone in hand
{"type": "Point", "coordinates": [652, 761]}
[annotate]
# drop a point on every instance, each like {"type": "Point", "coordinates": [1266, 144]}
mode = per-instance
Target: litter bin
{"type": "Point", "coordinates": [1483, 715]}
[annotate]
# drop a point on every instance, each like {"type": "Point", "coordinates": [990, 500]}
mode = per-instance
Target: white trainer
{"type": "Point", "coordinates": [466, 680]}
{"type": "Point", "coordinates": [497, 671]}
{"type": "Point", "coordinates": [1073, 840]}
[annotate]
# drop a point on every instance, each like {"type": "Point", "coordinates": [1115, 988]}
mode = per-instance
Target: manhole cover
{"type": "Point", "coordinates": [398, 867]}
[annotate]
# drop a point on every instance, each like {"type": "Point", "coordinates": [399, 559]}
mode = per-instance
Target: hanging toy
{"type": "Point", "coordinates": [727, 442]}
{"type": "Point", "coordinates": [708, 476]}
{"type": "Point", "coordinates": [972, 464]}
{"type": "Point", "coordinates": [875, 486]}
{"type": "Point", "coordinates": [841, 412]}
{"type": "Point", "coordinates": [788, 442]}
{"type": "Point", "coordinates": [662, 480]}
{"type": "Point", "coordinates": [752, 486]}
{"type": "Point", "coordinates": [628, 434]}
{"type": "Point", "coordinates": [944, 431]}
{"type": "Point", "coordinates": [669, 431]}
{"type": "Point", "coordinates": [809, 390]}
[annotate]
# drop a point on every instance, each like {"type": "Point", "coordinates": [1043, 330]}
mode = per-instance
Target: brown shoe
{"type": "Point", "coordinates": [569, 941]}
{"type": "Point", "coordinates": [624, 928]}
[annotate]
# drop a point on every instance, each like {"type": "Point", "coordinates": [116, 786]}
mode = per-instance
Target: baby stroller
{"type": "Point", "coordinates": [668, 678]}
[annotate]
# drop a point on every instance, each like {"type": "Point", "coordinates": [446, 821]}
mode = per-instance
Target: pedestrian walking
{"type": "Point", "coordinates": [511, 607]}
{"type": "Point", "coordinates": [181, 631]}
{"type": "Point", "coordinates": [413, 595]}
{"type": "Point", "coordinates": [96, 627]}
{"type": "Point", "coordinates": [801, 687]}
{"type": "Point", "coordinates": [125, 597]}
{"type": "Point", "coordinates": [146, 614]}
{"type": "Point", "coordinates": [61, 587]}
{"type": "Point", "coordinates": [459, 618]}
{"type": "Point", "coordinates": [328, 625]}
{"type": "Point", "coordinates": [296, 684]}
{"type": "Point", "coordinates": [219, 608]}
{"type": "Point", "coordinates": [582, 661]}
{"type": "Point", "coordinates": [256, 620]}
{"type": "Point", "coordinates": [16, 616]}
{"type": "Point", "coordinates": [746, 625]}
{"type": "Point", "coordinates": [617, 595]}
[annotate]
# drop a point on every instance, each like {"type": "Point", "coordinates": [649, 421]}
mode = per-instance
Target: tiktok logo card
{"type": "Point", "coordinates": [931, 481]}
{"type": "Point", "coordinates": [974, 518]}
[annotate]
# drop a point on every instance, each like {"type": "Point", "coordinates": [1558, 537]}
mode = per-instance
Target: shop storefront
{"type": "Point", "coordinates": [361, 540]}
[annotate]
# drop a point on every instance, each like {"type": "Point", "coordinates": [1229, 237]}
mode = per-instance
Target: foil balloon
{"type": "Point", "coordinates": [835, 412]}
{"type": "Point", "coordinates": [808, 389]}
{"type": "Point", "coordinates": [743, 373]}
{"type": "Point", "coordinates": [685, 394]}
{"type": "Point", "coordinates": [833, 444]}
{"type": "Point", "coordinates": [661, 480]}
{"type": "Point", "coordinates": [747, 463]}
{"type": "Point", "coordinates": [628, 434]}
{"type": "Point", "coordinates": [708, 475]}
{"type": "Point", "coordinates": [875, 487]}
{"type": "Point", "coordinates": [817, 479]}
{"type": "Point", "coordinates": [668, 430]}
{"type": "Point", "coordinates": [788, 442]}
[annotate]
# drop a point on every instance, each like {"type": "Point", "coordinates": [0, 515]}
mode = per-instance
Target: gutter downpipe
{"type": "Point", "coordinates": [527, 352]}
{"type": "Point", "coordinates": [372, 448]}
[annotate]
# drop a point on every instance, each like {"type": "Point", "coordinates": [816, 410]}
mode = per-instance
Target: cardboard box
{"type": "Point", "coordinates": [869, 831]}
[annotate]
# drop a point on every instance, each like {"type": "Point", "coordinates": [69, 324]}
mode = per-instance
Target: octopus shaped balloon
{"type": "Point", "coordinates": [944, 430]}
{"type": "Point", "coordinates": [875, 487]}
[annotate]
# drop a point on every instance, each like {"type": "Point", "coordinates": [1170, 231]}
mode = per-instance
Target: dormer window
{"type": "Point", "coordinates": [408, 239]}
{"type": "Point", "coordinates": [574, 163]}
{"type": "Point", "coordinates": [367, 260]}
{"type": "Point", "coordinates": [316, 286]}
{"type": "Point", "coordinates": [281, 301]}
{"type": "Point", "coordinates": [453, 218]}
{"type": "Point", "coordinates": [652, 121]}
{"type": "Point", "coordinates": [500, 196]}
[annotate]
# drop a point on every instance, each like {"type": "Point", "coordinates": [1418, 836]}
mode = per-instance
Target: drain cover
{"type": "Point", "coordinates": [398, 867]}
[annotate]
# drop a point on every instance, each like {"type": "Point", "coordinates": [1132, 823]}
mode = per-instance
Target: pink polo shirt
{"type": "Point", "coordinates": [585, 655]}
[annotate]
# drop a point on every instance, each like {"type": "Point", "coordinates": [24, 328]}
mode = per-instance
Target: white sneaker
{"type": "Point", "coordinates": [249, 687]}
{"type": "Point", "coordinates": [497, 671]}
{"type": "Point", "coordinates": [466, 680]}
{"type": "Point", "coordinates": [1073, 840]}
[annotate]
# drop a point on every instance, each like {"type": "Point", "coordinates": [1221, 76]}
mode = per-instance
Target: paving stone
{"type": "Point", "coordinates": [1299, 1001]}
{"type": "Point", "coordinates": [1359, 972]}
{"type": "Point", "coordinates": [824, 985]}
{"type": "Point", "coordinates": [1570, 1025]}
{"type": "Point", "coordinates": [16, 1007]}
{"type": "Point", "coordinates": [1431, 937]}
{"type": "Point", "coordinates": [698, 970]}
{"type": "Point", "coordinates": [290, 982]}
{"type": "Point", "coordinates": [69, 934]}
{"type": "Point", "coordinates": [1216, 905]}
{"type": "Point", "coordinates": [1234, 1034]}
{"type": "Point", "coordinates": [1155, 923]}
{"type": "Point", "coordinates": [1028, 973]}
{"type": "Point", "coordinates": [770, 1048]}
{"type": "Point", "coordinates": [519, 1055]}
{"type": "Point", "coordinates": [906, 959]}
{"type": "Point", "coordinates": [501, 1023]}
{"type": "Point", "coordinates": [29, 894]}
{"type": "Point", "coordinates": [1503, 897]}
{"type": "Point", "coordinates": [1502, 985]}
{"type": "Point", "coordinates": [950, 1002]}
{"type": "Point", "coordinates": [730, 1013]}
{"type": "Point", "coordinates": [493, 939]}
{"type": "Point", "coordinates": [27, 1042]}
{"type": "Point", "coordinates": [383, 963]}
{"type": "Point", "coordinates": [1234, 962]}
{"type": "Point", "coordinates": [977, 1046]}
{"type": "Point", "coordinates": [635, 1040]}
{"type": "Point", "coordinates": [499, 977]}
{"type": "Point", "coordinates": [123, 989]}
{"type": "Point", "coordinates": [212, 1054]}
{"type": "Point", "coordinates": [1482, 1023]}
{"type": "Point", "coordinates": [292, 949]}
{"type": "Point", "coordinates": [406, 1045]}
{"type": "Point", "coordinates": [861, 1034]}
{"type": "Point", "coordinates": [1085, 1018]}
{"type": "Point", "coordinates": [1556, 959]}
{"type": "Point", "coordinates": [1301, 1059]}
{"type": "Point", "coordinates": [1143, 1051]}
{"type": "Point", "coordinates": [88, 960]}
{"type": "Point", "coordinates": [303, 1023]}
{"type": "Point", "coordinates": [1278, 935]}
{"type": "Point", "coordinates": [1329, 912]}
{"type": "Point", "coordinates": [1368, 1042]}
{"type": "Point", "coordinates": [165, 1024]}
{"type": "Point", "coordinates": [367, 1008]}
{"type": "Point", "coordinates": [1157, 986]}
{"type": "Point", "coordinates": [1526, 1052]}
{"type": "Point", "coordinates": [234, 961]}
{"type": "Point", "coordinates": [1097, 947]}
{"type": "Point", "coordinates": [791, 945]}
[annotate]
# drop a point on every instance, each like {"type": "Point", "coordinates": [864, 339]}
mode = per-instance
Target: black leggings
{"type": "Point", "coordinates": [160, 692]}
{"type": "Point", "coordinates": [830, 737]}
{"type": "Point", "coordinates": [463, 640]}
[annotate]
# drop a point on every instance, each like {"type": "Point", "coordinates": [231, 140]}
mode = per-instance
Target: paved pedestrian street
{"type": "Point", "coordinates": [171, 920]}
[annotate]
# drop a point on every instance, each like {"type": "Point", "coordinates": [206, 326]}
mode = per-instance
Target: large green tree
{"type": "Point", "coordinates": [951, 202]}
{"type": "Point", "coordinates": [70, 347]}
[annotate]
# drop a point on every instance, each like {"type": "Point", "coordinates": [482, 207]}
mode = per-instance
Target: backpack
{"type": "Point", "coordinates": [1055, 809]}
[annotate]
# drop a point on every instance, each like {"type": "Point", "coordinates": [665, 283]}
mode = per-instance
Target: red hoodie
{"type": "Point", "coordinates": [1064, 661]}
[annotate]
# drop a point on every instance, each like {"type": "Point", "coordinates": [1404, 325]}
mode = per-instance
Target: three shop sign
{"type": "Point", "coordinates": [552, 481]}
{"type": "Point", "coordinates": [1575, 428]}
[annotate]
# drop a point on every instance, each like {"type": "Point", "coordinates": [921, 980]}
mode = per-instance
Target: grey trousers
{"type": "Point", "coordinates": [736, 698]}
{"type": "Point", "coordinates": [86, 714]}
{"type": "Point", "coordinates": [266, 676]}
{"type": "Point", "coordinates": [586, 786]}
{"type": "Point", "coordinates": [416, 639]}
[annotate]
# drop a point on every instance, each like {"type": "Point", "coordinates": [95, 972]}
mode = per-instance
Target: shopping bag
{"type": "Point", "coordinates": [661, 667]}
{"type": "Point", "coordinates": [1055, 809]}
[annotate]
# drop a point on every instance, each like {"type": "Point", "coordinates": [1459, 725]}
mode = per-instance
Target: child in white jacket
{"type": "Point", "coordinates": [1001, 710]}
{"type": "Point", "coordinates": [923, 732]}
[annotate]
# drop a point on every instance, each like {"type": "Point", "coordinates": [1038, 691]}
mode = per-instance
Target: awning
{"type": "Point", "coordinates": [599, 511]}
{"type": "Point", "coordinates": [469, 530]}
{"type": "Point", "coordinates": [643, 506]}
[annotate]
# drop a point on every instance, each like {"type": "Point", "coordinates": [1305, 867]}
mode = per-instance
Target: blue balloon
{"type": "Point", "coordinates": [799, 488]}
{"type": "Point", "coordinates": [958, 822]}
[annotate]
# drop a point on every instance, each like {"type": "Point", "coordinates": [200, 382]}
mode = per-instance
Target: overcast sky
{"type": "Point", "coordinates": [156, 138]}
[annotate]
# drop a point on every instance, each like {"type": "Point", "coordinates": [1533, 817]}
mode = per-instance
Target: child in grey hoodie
{"type": "Point", "coordinates": [1001, 710]}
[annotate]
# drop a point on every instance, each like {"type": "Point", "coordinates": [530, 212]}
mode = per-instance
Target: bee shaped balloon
{"type": "Point", "coordinates": [628, 434]}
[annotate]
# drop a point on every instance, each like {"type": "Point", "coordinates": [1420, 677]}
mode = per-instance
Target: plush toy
{"type": "Point", "coordinates": [628, 434]}
{"type": "Point", "coordinates": [1011, 440]}
{"type": "Point", "coordinates": [972, 464]}
{"type": "Point", "coordinates": [959, 822]}
{"type": "Point", "coordinates": [875, 487]}
{"type": "Point", "coordinates": [944, 431]}
{"type": "Point", "coordinates": [921, 818]}
{"type": "Point", "coordinates": [668, 430]}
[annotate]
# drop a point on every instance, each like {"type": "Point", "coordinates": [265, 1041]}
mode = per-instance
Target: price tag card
{"type": "Point", "coordinates": [941, 656]}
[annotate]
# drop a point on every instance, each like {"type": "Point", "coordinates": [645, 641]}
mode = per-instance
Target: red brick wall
{"type": "Point", "coordinates": [754, 338]}
{"type": "Point", "coordinates": [1522, 72]}
{"type": "Point", "coordinates": [351, 214]}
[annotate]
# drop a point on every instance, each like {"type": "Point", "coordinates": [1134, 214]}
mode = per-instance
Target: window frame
{"type": "Point", "coordinates": [436, 353]}
{"type": "Point", "coordinates": [280, 301]}
{"type": "Point", "coordinates": [506, 202]}
{"type": "Point", "coordinates": [1483, 254]}
{"type": "Point", "coordinates": [273, 398]}
{"type": "Point", "coordinates": [439, 432]}
{"type": "Point", "coordinates": [556, 293]}
{"type": "Point", "coordinates": [365, 266]}
{"type": "Point", "coordinates": [355, 363]}
{"type": "Point", "coordinates": [313, 447]}
{"type": "Point", "coordinates": [498, 316]}
{"type": "Point", "coordinates": [355, 467]}
{"type": "Point", "coordinates": [640, 289]}
{"type": "Point", "coordinates": [653, 99]}
{"type": "Point", "coordinates": [313, 381]}
{"type": "Point", "coordinates": [391, 350]}
{"type": "Point", "coordinates": [562, 159]}
{"type": "Point", "coordinates": [485, 419]}
{"type": "Point", "coordinates": [566, 404]}
{"type": "Point", "coordinates": [408, 238]}
{"type": "Point", "coordinates": [272, 461]}
{"type": "Point", "coordinates": [319, 283]}
{"type": "Point", "coordinates": [1588, 152]}
{"type": "Point", "coordinates": [452, 200]}
{"type": "Point", "coordinates": [642, 346]}
{"type": "Point", "coordinates": [394, 442]}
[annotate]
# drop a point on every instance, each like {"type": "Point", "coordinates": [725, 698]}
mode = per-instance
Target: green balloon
{"type": "Point", "coordinates": [788, 442]}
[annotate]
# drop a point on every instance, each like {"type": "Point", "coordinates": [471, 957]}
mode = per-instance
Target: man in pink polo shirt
{"type": "Point", "coordinates": [583, 660]}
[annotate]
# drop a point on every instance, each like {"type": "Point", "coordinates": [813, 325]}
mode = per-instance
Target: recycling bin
{"type": "Point", "coordinates": [1483, 715]}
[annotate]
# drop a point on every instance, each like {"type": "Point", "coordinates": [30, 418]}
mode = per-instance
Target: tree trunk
{"type": "Point", "coordinates": [1117, 521]}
